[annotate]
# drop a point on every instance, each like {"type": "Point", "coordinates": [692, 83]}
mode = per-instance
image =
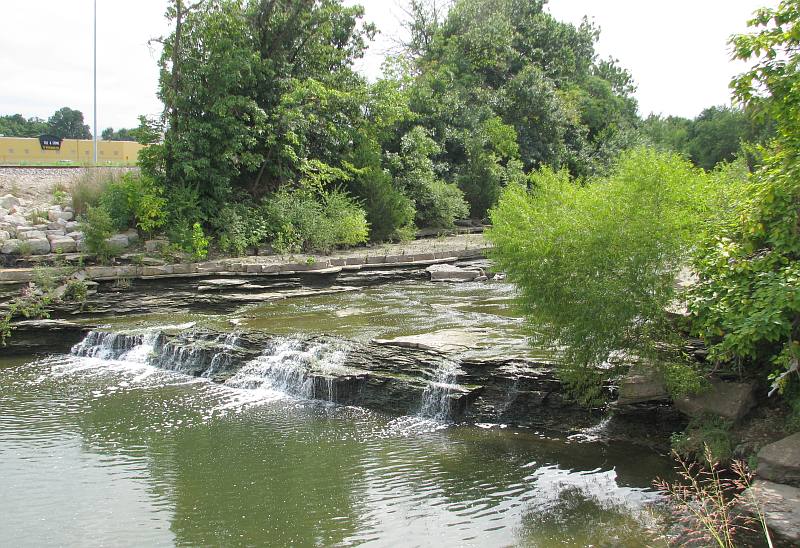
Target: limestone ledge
{"type": "Point", "coordinates": [244, 267]}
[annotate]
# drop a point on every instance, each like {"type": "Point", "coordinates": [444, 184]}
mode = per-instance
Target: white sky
{"type": "Point", "coordinates": [677, 51]}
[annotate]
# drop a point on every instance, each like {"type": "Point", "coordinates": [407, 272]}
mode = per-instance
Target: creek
{"type": "Point", "coordinates": [284, 424]}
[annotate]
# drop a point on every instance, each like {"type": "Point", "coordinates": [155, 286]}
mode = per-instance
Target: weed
{"type": "Point", "coordinates": [704, 501]}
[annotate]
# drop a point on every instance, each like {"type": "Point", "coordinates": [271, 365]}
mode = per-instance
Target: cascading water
{"type": "Point", "coordinates": [436, 398]}
{"type": "Point", "coordinates": [290, 365]}
{"type": "Point", "coordinates": [114, 346]}
{"type": "Point", "coordinates": [222, 359]}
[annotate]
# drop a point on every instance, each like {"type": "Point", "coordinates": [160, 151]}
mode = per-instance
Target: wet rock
{"type": "Point", "coordinates": [729, 400]}
{"type": "Point", "coordinates": [781, 506]}
{"type": "Point", "coordinates": [34, 336]}
{"type": "Point", "coordinates": [452, 273]}
{"type": "Point", "coordinates": [780, 461]}
{"type": "Point", "coordinates": [446, 340]}
{"type": "Point", "coordinates": [642, 384]}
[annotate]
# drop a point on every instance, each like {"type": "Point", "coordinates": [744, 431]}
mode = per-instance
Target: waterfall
{"type": "Point", "coordinates": [222, 359]}
{"type": "Point", "coordinates": [436, 397]}
{"type": "Point", "coordinates": [113, 346]}
{"type": "Point", "coordinates": [290, 365]}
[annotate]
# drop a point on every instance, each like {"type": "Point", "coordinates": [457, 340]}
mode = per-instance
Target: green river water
{"type": "Point", "coordinates": [97, 452]}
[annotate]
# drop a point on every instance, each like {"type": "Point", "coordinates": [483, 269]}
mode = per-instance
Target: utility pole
{"type": "Point", "coordinates": [94, 133]}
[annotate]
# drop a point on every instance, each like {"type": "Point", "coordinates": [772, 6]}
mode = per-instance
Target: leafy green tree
{"type": "Point", "coordinates": [511, 60]}
{"type": "Point", "coordinates": [16, 125]}
{"type": "Point", "coordinates": [68, 124]}
{"type": "Point", "coordinates": [258, 94]}
{"type": "Point", "coordinates": [595, 263]}
{"type": "Point", "coordinates": [747, 304]}
{"type": "Point", "coordinates": [437, 202]}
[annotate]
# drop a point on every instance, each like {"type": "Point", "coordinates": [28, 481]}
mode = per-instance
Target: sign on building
{"type": "Point", "coordinates": [50, 142]}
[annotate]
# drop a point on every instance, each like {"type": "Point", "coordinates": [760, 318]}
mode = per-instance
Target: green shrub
{"type": "Point", "coordinates": [595, 263]}
{"type": "Point", "coordinates": [97, 227]}
{"type": "Point", "coordinates": [390, 213]}
{"type": "Point", "coordinates": [344, 218]}
{"type": "Point", "coordinates": [199, 242]}
{"type": "Point", "coordinates": [305, 221]}
{"type": "Point", "coordinates": [183, 211]}
{"type": "Point", "coordinates": [439, 204]}
{"type": "Point", "coordinates": [240, 227]}
{"type": "Point", "coordinates": [134, 200]}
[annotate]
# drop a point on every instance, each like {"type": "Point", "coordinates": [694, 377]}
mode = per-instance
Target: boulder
{"type": "Point", "coordinates": [10, 246]}
{"type": "Point", "coordinates": [63, 245]}
{"type": "Point", "coordinates": [780, 505]}
{"type": "Point", "coordinates": [450, 273]}
{"type": "Point", "coordinates": [56, 213]}
{"type": "Point", "coordinates": [729, 400]}
{"type": "Point", "coordinates": [55, 233]}
{"type": "Point", "coordinates": [151, 246]}
{"type": "Point", "coordinates": [132, 234]}
{"type": "Point", "coordinates": [39, 246]}
{"type": "Point", "coordinates": [118, 240]}
{"type": "Point", "coordinates": [59, 224]}
{"type": "Point", "coordinates": [75, 235]}
{"type": "Point", "coordinates": [16, 220]}
{"type": "Point", "coordinates": [31, 235]}
{"type": "Point", "coordinates": [780, 461]}
{"type": "Point", "coordinates": [71, 225]}
{"type": "Point", "coordinates": [8, 201]}
{"type": "Point", "coordinates": [642, 384]}
{"type": "Point", "coordinates": [4, 236]}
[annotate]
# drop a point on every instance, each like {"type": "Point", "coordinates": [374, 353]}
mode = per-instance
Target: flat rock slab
{"type": "Point", "coordinates": [781, 506]}
{"type": "Point", "coordinates": [222, 283]}
{"type": "Point", "coordinates": [446, 340]}
{"type": "Point", "coordinates": [729, 400]}
{"type": "Point", "coordinates": [780, 461]}
{"type": "Point", "coordinates": [450, 273]}
{"type": "Point", "coordinates": [642, 384]}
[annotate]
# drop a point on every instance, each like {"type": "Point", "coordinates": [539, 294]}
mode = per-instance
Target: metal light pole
{"type": "Point", "coordinates": [94, 134]}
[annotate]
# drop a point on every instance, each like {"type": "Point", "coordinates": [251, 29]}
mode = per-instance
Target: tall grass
{"type": "Point", "coordinates": [87, 189]}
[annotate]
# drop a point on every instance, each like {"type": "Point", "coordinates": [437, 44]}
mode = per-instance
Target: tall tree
{"type": "Point", "coordinates": [68, 124]}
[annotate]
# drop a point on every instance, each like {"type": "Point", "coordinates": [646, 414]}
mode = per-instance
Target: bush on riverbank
{"type": "Point", "coordinates": [596, 260]}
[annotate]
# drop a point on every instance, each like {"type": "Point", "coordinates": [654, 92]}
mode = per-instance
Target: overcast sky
{"type": "Point", "coordinates": [677, 51]}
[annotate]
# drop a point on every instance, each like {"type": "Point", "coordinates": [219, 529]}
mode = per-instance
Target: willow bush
{"type": "Point", "coordinates": [595, 261]}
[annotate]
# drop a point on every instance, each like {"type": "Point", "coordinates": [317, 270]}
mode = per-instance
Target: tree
{"type": "Point", "coordinates": [17, 125]}
{"type": "Point", "coordinates": [258, 94]}
{"type": "Point", "coordinates": [68, 124]}
{"type": "Point", "coordinates": [747, 304]}
{"type": "Point", "coordinates": [509, 59]}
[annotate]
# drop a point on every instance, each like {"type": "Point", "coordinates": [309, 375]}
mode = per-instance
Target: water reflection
{"type": "Point", "coordinates": [96, 452]}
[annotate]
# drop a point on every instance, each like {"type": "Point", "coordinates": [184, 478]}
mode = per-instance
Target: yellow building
{"type": "Point", "coordinates": [29, 151]}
